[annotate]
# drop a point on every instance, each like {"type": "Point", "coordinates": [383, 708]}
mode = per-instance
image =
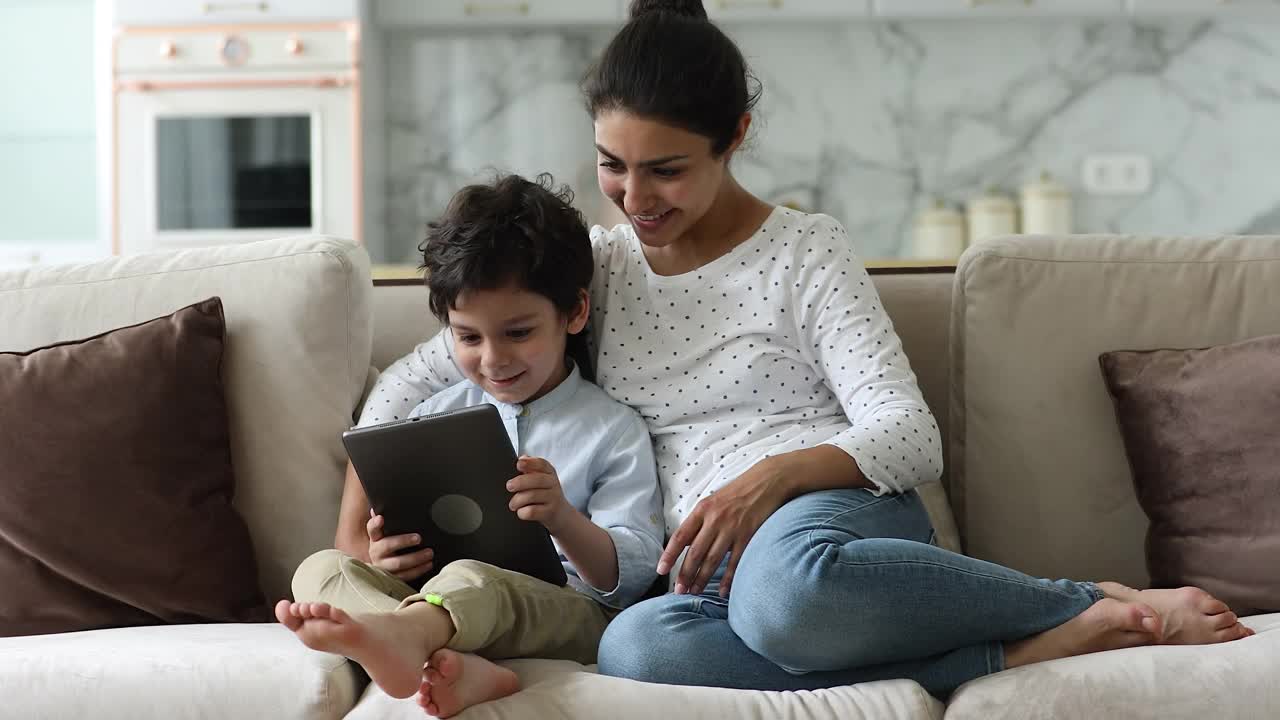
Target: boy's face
{"type": "Point", "coordinates": [511, 342]}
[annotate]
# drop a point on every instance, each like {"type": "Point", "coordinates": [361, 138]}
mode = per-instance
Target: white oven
{"type": "Point", "coordinates": [231, 133]}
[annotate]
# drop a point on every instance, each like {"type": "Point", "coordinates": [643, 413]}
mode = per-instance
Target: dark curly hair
{"type": "Point", "coordinates": [511, 231]}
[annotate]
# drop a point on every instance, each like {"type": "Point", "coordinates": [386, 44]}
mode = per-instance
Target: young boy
{"type": "Point", "coordinates": [508, 269]}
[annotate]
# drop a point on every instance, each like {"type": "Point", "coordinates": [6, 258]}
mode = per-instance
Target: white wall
{"type": "Point", "coordinates": [48, 198]}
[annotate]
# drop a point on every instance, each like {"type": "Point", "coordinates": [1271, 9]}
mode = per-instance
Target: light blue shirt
{"type": "Point", "coordinates": [603, 456]}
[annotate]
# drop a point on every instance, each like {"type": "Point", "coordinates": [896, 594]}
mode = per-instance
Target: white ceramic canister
{"type": "Point", "coordinates": [991, 215]}
{"type": "Point", "coordinates": [938, 233]}
{"type": "Point", "coordinates": [1046, 207]}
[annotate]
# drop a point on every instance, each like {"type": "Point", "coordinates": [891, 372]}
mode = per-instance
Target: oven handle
{"type": "Point", "coordinates": [323, 81]}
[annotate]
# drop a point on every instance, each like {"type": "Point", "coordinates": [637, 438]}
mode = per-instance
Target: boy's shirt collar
{"type": "Point", "coordinates": [545, 404]}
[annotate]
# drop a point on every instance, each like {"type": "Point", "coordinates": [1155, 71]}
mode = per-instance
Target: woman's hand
{"type": "Point", "coordinates": [724, 522]}
{"type": "Point", "coordinates": [383, 552]}
{"type": "Point", "coordinates": [536, 494]}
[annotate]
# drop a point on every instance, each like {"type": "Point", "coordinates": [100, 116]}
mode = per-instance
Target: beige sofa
{"type": "Point", "coordinates": [1037, 476]}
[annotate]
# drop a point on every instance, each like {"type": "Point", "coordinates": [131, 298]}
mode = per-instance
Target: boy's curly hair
{"type": "Point", "coordinates": [511, 231]}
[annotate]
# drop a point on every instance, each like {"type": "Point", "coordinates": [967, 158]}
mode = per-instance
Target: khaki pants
{"type": "Point", "coordinates": [497, 613]}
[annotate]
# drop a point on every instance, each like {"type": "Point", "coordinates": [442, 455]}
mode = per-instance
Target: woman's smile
{"type": "Point", "coordinates": [651, 223]}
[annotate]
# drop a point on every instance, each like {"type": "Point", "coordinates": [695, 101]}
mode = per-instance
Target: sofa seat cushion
{"type": "Point", "coordinates": [210, 672]}
{"type": "Point", "coordinates": [561, 689]}
{"type": "Point", "coordinates": [1229, 680]}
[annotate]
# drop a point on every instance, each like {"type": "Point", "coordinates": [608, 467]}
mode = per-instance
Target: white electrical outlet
{"type": "Point", "coordinates": [1116, 174]}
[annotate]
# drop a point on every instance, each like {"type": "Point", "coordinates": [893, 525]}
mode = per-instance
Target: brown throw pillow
{"type": "Point", "coordinates": [116, 482]}
{"type": "Point", "coordinates": [1202, 432]}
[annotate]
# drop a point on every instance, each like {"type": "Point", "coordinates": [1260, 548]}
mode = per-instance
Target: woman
{"type": "Point", "coordinates": [788, 427]}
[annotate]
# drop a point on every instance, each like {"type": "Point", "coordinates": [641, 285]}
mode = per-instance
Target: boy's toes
{"type": "Point", "coordinates": [284, 614]}
{"type": "Point", "coordinates": [1224, 621]}
{"type": "Point", "coordinates": [322, 611]}
{"type": "Point", "coordinates": [1235, 632]}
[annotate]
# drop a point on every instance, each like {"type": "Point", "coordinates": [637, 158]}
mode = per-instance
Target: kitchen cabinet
{"type": "Point", "coordinates": [201, 48]}
{"type": "Point", "coordinates": [1221, 8]}
{"type": "Point", "coordinates": [186, 12]}
{"type": "Point", "coordinates": [733, 10]}
{"type": "Point", "coordinates": [481, 13]}
{"type": "Point", "coordinates": [918, 9]}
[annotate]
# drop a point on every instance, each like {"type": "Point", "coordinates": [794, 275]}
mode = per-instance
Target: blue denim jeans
{"type": "Point", "coordinates": [841, 587]}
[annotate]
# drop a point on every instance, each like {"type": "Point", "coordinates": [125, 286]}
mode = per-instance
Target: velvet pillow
{"type": "Point", "coordinates": [1202, 433]}
{"type": "Point", "coordinates": [116, 482]}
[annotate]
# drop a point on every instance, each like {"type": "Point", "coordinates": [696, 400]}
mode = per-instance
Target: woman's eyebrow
{"type": "Point", "coordinates": [647, 163]}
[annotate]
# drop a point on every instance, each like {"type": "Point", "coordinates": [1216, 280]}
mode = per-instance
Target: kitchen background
{"type": "Point", "coordinates": [1164, 124]}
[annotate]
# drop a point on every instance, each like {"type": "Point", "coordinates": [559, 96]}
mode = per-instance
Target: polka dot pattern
{"type": "Point", "coordinates": [410, 380]}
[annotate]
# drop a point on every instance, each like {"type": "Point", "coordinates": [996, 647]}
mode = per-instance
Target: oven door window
{"type": "Point", "coordinates": [219, 173]}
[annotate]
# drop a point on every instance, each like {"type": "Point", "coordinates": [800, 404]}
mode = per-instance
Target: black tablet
{"type": "Point", "coordinates": [444, 477]}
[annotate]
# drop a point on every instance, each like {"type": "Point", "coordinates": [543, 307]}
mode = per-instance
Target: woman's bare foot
{"type": "Point", "coordinates": [1106, 625]}
{"type": "Point", "coordinates": [389, 646]}
{"type": "Point", "coordinates": [455, 681]}
{"type": "Point", "coordinates": [1191, 616]}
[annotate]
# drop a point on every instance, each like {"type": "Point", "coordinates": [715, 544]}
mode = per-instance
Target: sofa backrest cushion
{"type": "Point", "coordinates": [1039, 477]}
{"type": "Point", "coordinates": [297, 356]}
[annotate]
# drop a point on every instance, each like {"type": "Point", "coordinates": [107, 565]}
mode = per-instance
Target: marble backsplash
{"type": "Point", "coordinates": [866, 121]}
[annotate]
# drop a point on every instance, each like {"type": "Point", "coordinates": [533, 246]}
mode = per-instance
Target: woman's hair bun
{"type": "Point", "coordinates": [687, 8]}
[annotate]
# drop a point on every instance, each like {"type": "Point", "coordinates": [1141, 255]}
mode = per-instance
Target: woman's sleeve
{"type": "Point", "coordinates": [844, 330]}
{"type": "Point", "coordinates": [407, 382]}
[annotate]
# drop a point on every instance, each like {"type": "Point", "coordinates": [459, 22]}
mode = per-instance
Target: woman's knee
{"type": "Point", "coordinates": [788, 615]}
{"type": "Point", "coordinates": [778, 560]}
{"type": "Point", "coordinates": [641, 643]}
{"type": "Point", "coordinates": [787, 599]}
{"type": "Point", "coordinates": [625, 645]}
{"type": "Point", "coordinates": [798, 544]}
{"type": "Point", "coordinates": [767, 608]}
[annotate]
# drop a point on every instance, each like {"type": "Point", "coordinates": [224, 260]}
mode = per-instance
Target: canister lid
{"type": "Point", "coordinates": [1045, 186]}
{"type": "Point", "coordinates": [993, 201]}
{"type": "Point", "coordinates": [938, 213]}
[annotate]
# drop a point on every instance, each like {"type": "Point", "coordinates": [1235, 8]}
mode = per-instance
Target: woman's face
{"type": "Point", "coordinates": [664, 178]}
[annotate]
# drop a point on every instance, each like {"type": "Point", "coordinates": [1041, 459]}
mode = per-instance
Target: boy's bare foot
{"type": "Point", "coordinates": [455, 681]}
{"type": "Point", "coordinates": [1108, 624]}
{"type": "Point", "coordinates": [1191, 616]}
{"type": "Point", "coordinates": [391, 650]}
